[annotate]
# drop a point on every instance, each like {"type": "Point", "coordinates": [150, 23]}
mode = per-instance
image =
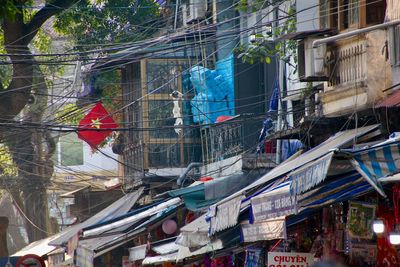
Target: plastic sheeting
{"type": "Point", "coordinates": [290, 147]}
{"type": "Point", "coordinates": [214, 91]}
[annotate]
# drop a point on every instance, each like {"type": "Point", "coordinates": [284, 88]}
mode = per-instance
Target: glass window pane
{"type": "Point", "coordinates": [162, 75]}
{"type": "Point", "coordinates": [160, 115]}
{"type": "Point", "coordinates": [354, 12]}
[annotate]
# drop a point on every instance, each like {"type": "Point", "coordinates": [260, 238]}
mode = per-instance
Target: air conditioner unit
{"type": "Point", "coordinates": [193, 11]}
{"type": "Point", "coordinates": [311, 61]}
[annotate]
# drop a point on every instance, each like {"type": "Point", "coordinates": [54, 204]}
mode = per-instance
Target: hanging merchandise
{"type": "Point", "coordinates": [225, 261]}
{"type": "Point", "coordinates": [254, 257]}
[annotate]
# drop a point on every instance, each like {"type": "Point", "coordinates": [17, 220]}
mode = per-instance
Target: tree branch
{"type": "Point", "coordinates": [50, 9]}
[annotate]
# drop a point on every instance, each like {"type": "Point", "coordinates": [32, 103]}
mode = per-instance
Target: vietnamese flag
{"type": "Point", "coordinates": [97, 118]}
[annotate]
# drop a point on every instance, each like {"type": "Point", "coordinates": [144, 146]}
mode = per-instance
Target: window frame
{"type": "Point", "coordinates": [332, 14]}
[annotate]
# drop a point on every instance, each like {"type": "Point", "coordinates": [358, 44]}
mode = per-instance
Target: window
{"type": "Point", "coordinates": [70, 150]}
{"type": "Point", "coordinates": [329, 14]}
{"type": "Point", "coordinates": [347, 14]}
{"type": "Point", "coordinates": [395, 43]}
{"type": "Point", "coordinates": [375, 11]}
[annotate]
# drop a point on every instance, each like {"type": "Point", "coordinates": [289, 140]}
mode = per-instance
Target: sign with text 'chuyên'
{"type": "Point", "coordinates": [290, 259]}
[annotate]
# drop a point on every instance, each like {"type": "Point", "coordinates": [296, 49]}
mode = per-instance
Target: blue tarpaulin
{"type": "Point", "coordinates": [214, 91]}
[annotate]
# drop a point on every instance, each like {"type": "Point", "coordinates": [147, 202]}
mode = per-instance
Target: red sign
{"type": "Point", "coordinates": [290, 259]}
{"type": "Point", "coordinates": [30, 260]}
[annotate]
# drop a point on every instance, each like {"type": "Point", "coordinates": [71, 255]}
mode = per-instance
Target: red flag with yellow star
{"type": "Point", "coordinates": [98, 118]}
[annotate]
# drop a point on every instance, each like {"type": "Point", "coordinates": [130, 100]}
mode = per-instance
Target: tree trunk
{"type": "Point", "coordinates": [27, 145]}
{"type": "Point", "coordinates": [33, 160]}
{"type": "Point", "coordinates": [3, 237]}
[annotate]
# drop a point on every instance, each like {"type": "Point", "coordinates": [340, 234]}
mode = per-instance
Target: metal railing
{"type": "Point", "coordinates": [221, 141]}
{"type": "Point", "coordinates": [348, 64]}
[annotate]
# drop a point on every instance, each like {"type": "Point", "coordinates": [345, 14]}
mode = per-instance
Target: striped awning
{"type": "Point", "coordinates": [377, 162]}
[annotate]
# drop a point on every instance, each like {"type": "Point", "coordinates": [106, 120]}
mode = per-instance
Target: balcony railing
{"type": "Point", "coordinates": [348, 64]}
{"type": "Point", "coordinates": [221, 141]}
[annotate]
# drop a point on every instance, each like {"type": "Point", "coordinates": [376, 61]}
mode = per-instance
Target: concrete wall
{"type": "Point", "coordinates": [393, 13]}
{"type": "Point", "coordinates": [308, 19]}
{"type": "Point", "coordinates": [363, 93]}
{"type": "Point", "coordinates": [392, 9]}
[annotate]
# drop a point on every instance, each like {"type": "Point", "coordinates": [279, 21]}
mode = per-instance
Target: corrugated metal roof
{"type": "Point", "coordinates": [392, 100]}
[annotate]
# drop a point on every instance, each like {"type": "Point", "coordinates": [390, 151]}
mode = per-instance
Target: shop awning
{"type": "Point", "coordinates": [126, 221]}
{"type": "Point", "coordinates": [185, 252]}
{"type": "Point", "coordinates": [377, 162]}
{"type": "Point", "coordinates": [275, 202]}
{"type": "Point", "coordinates": [119, 207]}
{"type": "Point", "coordinates": [311, 174]}
{"type": "Point", "coordinates": [201, 196]}
{"type": "Point", "coordinates": [263, 230]}
{"type": "Point", "coordinates": [306, 170]}
{"type": "Point", "coordinates": [102, 244]}
{"type": "Point", "coordinates": [40, 248]}
{"type": "Point", "coordinates": [340, 188]}
{"type": "Point", "coordinates": [165, 248]}
{"type": "Point", "coordinates": [194, 234]}
{"type": "Point", "coordinates": [160, 259]}
{"type": "Point", "coordinates": [109, 236]}
{"type": "Point", "coordinates": [339, 140]}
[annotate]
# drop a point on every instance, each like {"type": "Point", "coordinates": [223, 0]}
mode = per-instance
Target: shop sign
{"type": "Point", "coordinates": [290, 259]}
{"type": "Point", "coordinates": [266, 230]}
{"type": "Point", "coordinates": [310, 174]}
{"type": "Point", "coordinates": [272, 206]}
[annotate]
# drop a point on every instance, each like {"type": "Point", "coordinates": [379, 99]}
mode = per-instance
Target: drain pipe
{"type": "Point", "coordinates": [182, 177]}
{"type": "Point", "coordinates": [340, 36]}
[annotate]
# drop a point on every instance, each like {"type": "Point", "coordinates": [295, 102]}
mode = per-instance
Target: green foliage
{"type": "Point", "coordinates": [109, 84]}
{"type": "Point", "coordinates": [42, 42]}
{"type": "Point", "coordinates": [70, 114]}
{"type": "Point", "coordinates": [8, 9]}
{"type": "Point", "coordinates": [6, 163]}
{"type": "Point", "coordinates": [255, 5]}
{"type": "Point", "coordinates": [5, 69]}
{"type": "Point", "coordinates": [261, 51]}
{"type": "Point", "coordinates": [95, 23]}
{"type": "Point", "coordinates": [255, 52]}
